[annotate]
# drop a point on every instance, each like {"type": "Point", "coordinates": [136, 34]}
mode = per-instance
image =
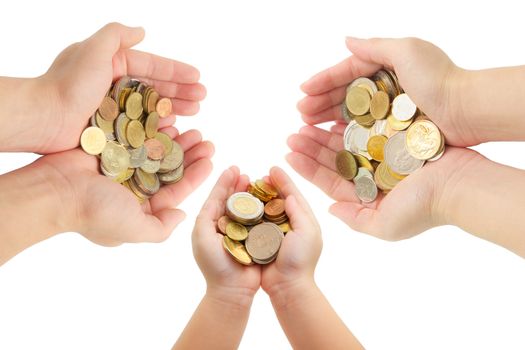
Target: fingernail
{"type": "Point", "coordinates": [354, 39]}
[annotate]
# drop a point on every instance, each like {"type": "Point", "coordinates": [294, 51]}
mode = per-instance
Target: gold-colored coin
{"type": "Point", "coordinates": [151, 102]}
{"type": "Point", "coordinates": [115, 158]}
{"type": "Point", "coordinates": [365, 120]}
{"type": "Point", "coordinates": [346, 164]}
{"type": "Point", "coordinates": [134, 105]}
{"type": "Point", "coordinates": [237, 250]}
{"type": "Point", "coordinates": [379, 105]}
{"type": "Point", "coordinates": [106, 126]}
{"type": "Point", "coordinates": [93, 140]}
{"type": "Point", "coordinates": [236, 231]}
{"type": "Point", "coordinates": [358, 101]}
{"type": "Point", "coordinates": [135, 134]}
{"type": "Point", "coordinates": [398, 125]}
{"type": "Point", "coordinates": [165, 140]}
{"type": "Point", "coordinates": [245, 206]}
{"type": "Point", "coordinates": [376, 147]}
{"type": "Point", "coordinates": [285, 227]}
{"type": "Point", "coordinates": [363, 162]}
{"type": "Point", "coordinates": [266, 188]}
{"type": "Point", "coordinates": [423, 140]}
{"type": "Point", "coordinates": [152, 124]}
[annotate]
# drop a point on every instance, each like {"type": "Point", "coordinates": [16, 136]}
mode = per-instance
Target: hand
{"type": "Point", "coordinates": [81, 75]}
{"type": "Point", "coordinates": [425, 72]}
{"type": "Point", "coordinates": [225, 278]}
{"type": "Point", "coordinates": [106, 212]}
{"type": "Point", "coordinates": [301, 247]}
{"type": "Point", "coordinates": [417, 203]}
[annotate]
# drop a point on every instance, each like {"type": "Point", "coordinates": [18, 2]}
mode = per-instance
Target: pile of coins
{"type": "Point", "coordinates": [387, 137]}
{"type": "Point", "coordinates": [254, 225]}
{"type": "Point", "coordinates": [124, 133]}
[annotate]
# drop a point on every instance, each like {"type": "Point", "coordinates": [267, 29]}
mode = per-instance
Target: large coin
{"type": "Point", "coordinates": [358, 100]}
{"type": "Point", "coordinates": [237, 250]}
{"type": "Point", "coordinates": [264, 241]}
{"type": "Point", "coordinates": [346, 164]}
{"type": "Point", "coordinates": [108, 109]}
{"type": "Point", "coordinates": [403, 108]}
{"type": "Point", "coordinates": [115, 158]}
{"type": "Point", "coordinates": [423, 140]}
{"type": "Point", "coordinates": [93, 140]}
{"type": "Point", "coordinates": [397, 156]}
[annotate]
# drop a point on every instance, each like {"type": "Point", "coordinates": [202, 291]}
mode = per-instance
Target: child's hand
{"type": "Point", "coordinates": [417, 203]}
{"type": "Point", "coordinates": [425, 72]}
{"type": "Point", "coordinates": [81, 75]}
{"type": "Point", "coordinates": [106, 212]}
{"type": "Point", "coordinates": [226, 279]}
{"type": "Point", "coordinates": [301, 247]}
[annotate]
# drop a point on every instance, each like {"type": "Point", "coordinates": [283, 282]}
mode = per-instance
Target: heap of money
{"type": "Point", "coordinates": [254, 225]}
{"type": "Point", "coordinates": [123, 132]}
{"type": "Point", "coordinates": [387, 137]}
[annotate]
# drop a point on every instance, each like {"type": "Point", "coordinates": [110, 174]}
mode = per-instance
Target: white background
{"type": "Point", "coordinates": [441, 290]}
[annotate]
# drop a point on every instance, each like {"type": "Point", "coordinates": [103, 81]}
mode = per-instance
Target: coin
{"type": "Point", "coordinates": [346, 164]}
{"type": "Point", "coordinates": [222, 222]}
{"type": "Point", "coordinates": [237, 250]}
{"type": "Point", "coordinates": [376, 146]}
{"type": "Point", "coordinates": [165, 140]}
{"type": "Point", "coordinates": [403, 108]}
{"type": "Point", "coordinates": [365, 189]}
{"type": "Point", "coordinates": [108, 109]}
{"type": "Point", "coordinates": [155, 149]}
{"type": "Point", "coordinates": [423, 140]}
{"type": "Point", "coordinates": [93, 140]}
{"type": "Point", "coordinates": [264, 241]}
{"type": "Point", "coordinates": [134, 107]}
{"type": "Point", "coordinates": [152, 123]}
{"type": "Point", "coordinates": [105, 125]}
{"type": "Point", "coordinates": [379, 105]}
{"type": "Point", "coordinates": [274, 208]}
{"type": "Point", "coordinates": [346, 114]}
{"type": "Point", "coordinates": [148, 183]}
{"type": "Point", "coordinates": [358, 100]}
{"type": "Point", "coordinates": [398, 125]}
{"type": "Point", "coordinates": [236, 231]}
{"type": "Point", "coordinates": [150, 166]}
{"type": "Point", "coordinates": [137, 156]}
{"type": "Point", "coordinates": [135, 133]}
{"type": "Point", "coordinates": [121, 126]}
{"type": "Point", "coordinates": [151, 102]}
{"type": "Point", "coordinates": [172, 176]}
{"type": "Point", "coordinates": [397, 156]}
{"type": "Point", "coordinates": [115, 158]}
{"type": "Point", "coordinates": [164, 107]}
{"type": "Point", "coordinates": [364, 83]}
{"type": "Point", "coordinates": [285, 227]}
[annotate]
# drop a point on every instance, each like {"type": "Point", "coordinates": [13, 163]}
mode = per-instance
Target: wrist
{"type": "Point", "coordinates": [235, 298]}
{"type": "Point", "coordinates": [286, 295]}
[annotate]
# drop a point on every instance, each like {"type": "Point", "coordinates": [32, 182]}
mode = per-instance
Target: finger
{"type": "Point", "coordinates": [152, 228]}
{"type": "Point", "coordinates": [189, 139]}
{"type": "Point", "coordinates": [357, 216]}
{"type": "Point", "coordinates": [338, 128]}
{"type": "Point", "coordinates": [300, 219]}
{"type": "Point", "coordinates": [183, 107]}
{"type": "Point", "coordinates": [115, 36]}
{"type": "Point", "coordinates": [331, 140]}
{"type": "Point", "coordinates": [310, 148]}
{"type": "Point", "coordinates": [380, 51]}
{"type": "Point", "coordinates": [287, 188]}
{"type": "Point", "coordinates": [146, 65]}
{"type": "Point", "coordinates": [190, 92]}
{"type": "Point", "coordinates": [318, 103]}
{"type": "Point", "coordinates": [168, 121]}
{"type": "Point", "coordinates": [339, 75]}
{"type": "Point", "coordinates": [333, 113]}
{"type": "Point", "coordinates": [171, 196]}
{"type": "Point", "coordinates": [242, 183]}
{"type": "Point", "coordinates": [202, 150]}
{"type": "Point", "coordinates": [327, 180]}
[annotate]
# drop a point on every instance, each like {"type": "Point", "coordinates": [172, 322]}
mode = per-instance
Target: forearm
{"type": "Point", "coordinates": [30, 210]}
{"type": "Point", "coordinates": [25, 106]}
{"type": "Point", "coordinates": [493, 103]}
{"type": "Point", "coordinates": [218, 323]}
{"type": "Point", "coordinates": [488, 200]}
{"type": "Point", "coordinates": [308, 319]}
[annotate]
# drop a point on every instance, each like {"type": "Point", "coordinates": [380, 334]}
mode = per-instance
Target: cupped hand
{"type": "Point", "coordinates": [424, 71]}
{"type": "Point", "coordinates": [302, 245]}
{"type": "Point", "coordinates": [106, 212]}
{"type": "Point", "coordinates": [82, 74]}
{"type": "Point", "coordinates": [222, 273]}
{"type": "Point", "coordinates": [417, 203]}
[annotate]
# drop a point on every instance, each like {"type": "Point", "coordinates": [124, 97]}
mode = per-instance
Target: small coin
{"type": "Point", "coordinates": [151, 102]}
{"type": "Point", "coordinates": [222, 222]}
{"type": "Point", "coordinates": [150, 166]}
{"type": "Point", "coordinates": [346, 164]}
{"type": "Point", "coordinates": [363, 162]}
{"type": "Point", "coordinates": [346, 114]}
{"type": "Point", "coordinates": [155, 149]}
{"type": "Point", "coordinates": [166, 140]}
{"type": "Point", "coordinates": [364, 83]}
{"type": "Point", "coordinates": [108, 109]}
{"type": "Point", "coordinates": [148, 183]}
{"type": "Point", "coordinates": [358, 100]}
{"type": "Point", "coordinates": [397, 156]}
{"type": "Point", "coordinates": [398, 125]}
{"type": "Point", "coordinates": [135, 133]}
{"type": "Point", "coordinates": [264, 241]}
{"type": "Point", "coordinates": [274, 208]}
{"type": "Point", "coordinates": [152, 124]}
{"type": "Point", "coordinates": [376, 146]}
{"type": "Point", "coordinates": [423, 140]}
{"type": "Point", "coordinates": [134, 105]}
{"type": "Point", "coordinates": [172, 176]}
{"type": "Point", "coordinates": [164, 107]}
{"type": "Point", "coordinates": [285, 227]}
{"type": "Point", "coordinates": [365, 188]}
{"type": "Point", "coordinates": [267, 188]}
{"type": "Point", "coordinates": [403, 108]}
{"type": "Point", "coordinates": [236, 231]}
{"type": "Point", "coordinates": [236, 250]}
{"type": "Point", "coordinates": [106, 126]}
{"type": "Point", "coordinates": [121, 126]}
{"type": "Point", "coordinates": [93, 140]}
{"type": "Point", "coordinates": [137, 156]}
{"type": "Point", "coordinates": [379, 105]}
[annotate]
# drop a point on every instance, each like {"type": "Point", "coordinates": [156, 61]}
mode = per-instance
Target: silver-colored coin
{"type": "Point", "coordinates": [137, 156]}
{"type": "Point", "coordinates": [150, 166]}
{"type": "Point", "coordinates": [403, 108]}
{"type": "Point", "coordinates": [379, 128]}
{"type": "Point", "coordinates": [173, 160]}
{"type": "Point", "coordinates": [120, 84]}
{"type": "Point", "coordinates": [363, 172]}
{"type": "Point", "coordinates": [356, 138]}
{"type": "Point", "coordinates": [120, 129]}
{"type": "Point", "coordinates": [148, 183]}
{"type": "Point", "coordinates": [397, 156]}
{"type": "Point", "coordinates": [365, 189]}
{"type": "Point", "coordinates": [173, 176]}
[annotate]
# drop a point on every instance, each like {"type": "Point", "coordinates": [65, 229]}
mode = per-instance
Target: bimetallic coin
{"type": "Point", "coordinates": [358, 100]}
{"type": "Point", "coordinates": [93, 140]}
{"type": "Point", "coordinates": [134, 105]}
{"type": "Point", "coordinates": [423, 140]}
{"type": "Point", "coordinates": [379, 105]}
{"type": "Point", "coordinates": [115, 158]}
{"type": "Point", "coordinates": [164, 107]}
{"type": "Point", "coordinates": [135, 134]}
{"type": "Point", "coordinates": [376, 146]}
{"type": "Point", "coordinates": [346, 164]}
{"type": "Point", "coordinates": [403, 108]}
{"type": "Point", "coordinates": [237, 251]}
{"type": "Point", "coordinates": [397, 156]}
{"type": "Point", "coordinates": [236, 231]}
{"type": "Point", "coordinates": [365, 189]}
{"type": "Point", "coordinates": [243, 206]}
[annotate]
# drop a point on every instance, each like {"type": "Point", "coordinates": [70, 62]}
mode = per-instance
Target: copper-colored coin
{"type": "Point", "coordinates": [155, 149]}
{"type": "Point", "coordinates": [275, 207]}
{"type": "Point", "coordinates": [108, 109]}
{"type": "Point", "coordinates": [346, 164]}
{"type": "Point", "coordinates": [222, 222]}
{"type": "Point", "coordinates": [164, 107]}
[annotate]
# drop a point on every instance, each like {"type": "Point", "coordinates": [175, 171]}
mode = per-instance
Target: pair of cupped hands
{"type": "Point", "coordinates": [108, 214]}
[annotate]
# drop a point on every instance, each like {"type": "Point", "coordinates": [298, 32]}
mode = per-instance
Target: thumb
{"type": "Point", "coordinates": [300, 219]}
{"type": "Point", "coordinates": [376, 50]}
{"type": "Point", "coordinates": [115, 36]}
{"type": "Point", "coordinates": [356, 216]}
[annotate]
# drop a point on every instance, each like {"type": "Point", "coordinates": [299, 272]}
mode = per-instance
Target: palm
{"type": "Point", "coordinates": [108, 213]}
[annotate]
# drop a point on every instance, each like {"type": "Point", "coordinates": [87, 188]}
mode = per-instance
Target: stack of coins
{"type": "Point", "coordinates": [387, 137]}
{"type": "Point", "coordinates": [124, 132]}
{"type": "Point", "coordinates": [254, 224]}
